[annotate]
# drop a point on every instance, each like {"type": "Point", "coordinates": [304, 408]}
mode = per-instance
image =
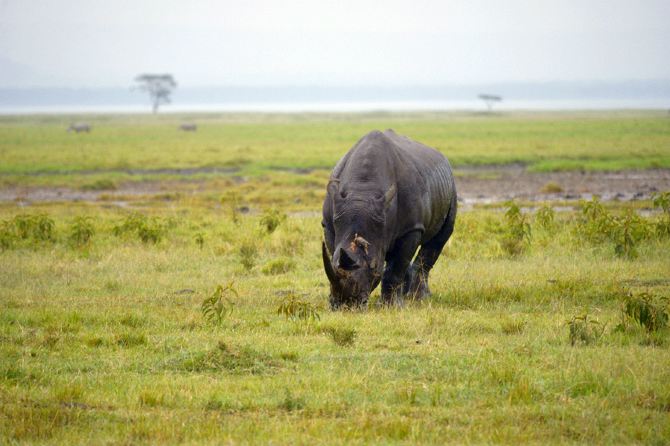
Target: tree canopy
{"type": "Point", "coordinates": [159, 87]}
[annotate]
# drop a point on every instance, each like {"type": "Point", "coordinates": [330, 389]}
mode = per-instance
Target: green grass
{"type": "Point", "coordinates": [104, 338]}
{"type": "Point", "coordinates": [38, 150]}
{"type": "Point", "coordinates": [108, 343]}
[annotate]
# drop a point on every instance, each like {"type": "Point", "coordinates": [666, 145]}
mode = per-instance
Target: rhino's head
{"type": "Point", "coordinates": [355, 266]}
{"type": "Point", "coordinates": [353, 274]}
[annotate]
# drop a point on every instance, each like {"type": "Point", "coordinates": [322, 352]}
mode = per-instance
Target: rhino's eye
{"type": "Point", "coordinates": [343, 194]}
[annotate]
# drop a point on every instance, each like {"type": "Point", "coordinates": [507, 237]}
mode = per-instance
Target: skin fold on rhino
{"type": "Point", "coordinates": [387, 197]}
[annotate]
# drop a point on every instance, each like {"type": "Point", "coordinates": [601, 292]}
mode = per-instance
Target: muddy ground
{"type": "Point", "coordinates": [476, 185]}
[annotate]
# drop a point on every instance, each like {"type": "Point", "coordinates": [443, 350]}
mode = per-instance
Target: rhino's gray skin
{"type": "Point", "coordinates": [79, 127]}
{"type": "Point", "coordinates": [188, 127]}
{"type": "Point", "coordinates": [386, 197]}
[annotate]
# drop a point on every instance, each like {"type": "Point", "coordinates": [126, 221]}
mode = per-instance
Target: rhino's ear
{"type": "Point", "coordinates": [333, 188]}
{"type": "Point", "coordinates": [389, 196]}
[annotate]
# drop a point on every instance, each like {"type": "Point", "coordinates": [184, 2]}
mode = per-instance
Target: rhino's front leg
{"type": "Point", "coordinates": [397, 261]}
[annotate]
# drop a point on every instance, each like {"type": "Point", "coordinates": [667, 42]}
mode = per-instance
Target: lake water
{"type": "Point", "coordinates": [351, 106]}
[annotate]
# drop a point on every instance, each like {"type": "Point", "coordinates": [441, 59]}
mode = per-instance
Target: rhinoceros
{"type": "Point", "coordinates": [386, 197]}
{"type": "Point", "coordinates": [188, 127]}
{"type": "Point", "coordinates": [79, 127]}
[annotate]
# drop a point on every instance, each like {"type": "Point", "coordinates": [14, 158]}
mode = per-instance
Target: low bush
{"type": "Point", "coordinates": [271, 219]}
{"type": "Point", "coordinates": [645, 309]}
{"type": "Point", "coordinates": [545, 217]}
{"type": "Point", "coordinates": [81, 231]}
{"type": "Point", "coordinates": [217, 306]}
{"type": "Point", "coordinates": [517, 234]}
{"type": "Point", "coordinates": [585, 330]}
{"type": "Point", "coordinates": [148, 230]}
{"type": "Point", "coordinates": [344, 337]}
{"type": "Point", "coordinates": [248, 252]}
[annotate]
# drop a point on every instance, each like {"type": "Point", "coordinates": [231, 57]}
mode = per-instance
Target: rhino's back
{"type": "Point", "coordinates": [432, 180]}
{"type": "Point", "coordinates": [422, 175]}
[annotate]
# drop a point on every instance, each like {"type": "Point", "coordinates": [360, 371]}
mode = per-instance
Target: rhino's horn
{"type": "Point", "coordinates": [328, 266]}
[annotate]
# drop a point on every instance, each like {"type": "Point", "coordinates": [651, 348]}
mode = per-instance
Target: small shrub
{"type": "Point", "coordinates": [278, 266]}
{"type": "Point", "coordinates": [271, 220]}
{"type": "Point", "coordinates": [81, 231]}
{"type": "Point", "coordinates": [248, 252]}
{"type": "Point", "coordinates": [585, 330]}
{"type": "Point", "coordinates": [7, 236]}
{"type": "Point", "coordinates": [626, 232]}
{"type": "Point", "coordinates": [344, 337]}
{"type": "Point", "coordinates": [597, 225]}
{"type": "Point", "coordinates": [152, 231]}
{"type": "Point", "coordinates": [39, 227]}
{"type": "Point", "coordinates": [545, 217]}
{"type": "Point", "coordinates": [662, 201]}
{"type": "Point", "coordinates": [645, 309]}
{"type": "Point", "coordinates": [551, 188]}
{"type": "Point", "coordinates": [516, 237]}
{"type": "Point", "coordinates": [218, 305]}
{"type": "Point", "coordinates": [295, 309]}
{"type": "Point", "coordinates": [148, 230]}
{"type": "Point", "coordinates": [200, 240]}
{"type": "Point", "coordinates": [594, 223]}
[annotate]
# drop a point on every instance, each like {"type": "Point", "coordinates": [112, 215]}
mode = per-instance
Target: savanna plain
{"type": "Point", "coordinates": [163, 287]}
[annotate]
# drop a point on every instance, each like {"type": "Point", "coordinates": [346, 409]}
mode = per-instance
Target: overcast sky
{"type": "Point", "coordinates": [346, 42]}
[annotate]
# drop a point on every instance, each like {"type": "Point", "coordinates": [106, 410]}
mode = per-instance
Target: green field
{"type": "Point", "coordinates": [104, 339]}
{"type": "Point", "coordinates": [260, 143]}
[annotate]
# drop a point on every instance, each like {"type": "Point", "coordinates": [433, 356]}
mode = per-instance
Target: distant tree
{"type": "Point", "coordinates": [490, 99]}
{"type": "Point", "coordinates": [159, 87]}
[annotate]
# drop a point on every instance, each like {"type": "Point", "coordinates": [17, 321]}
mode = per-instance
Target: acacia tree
{"type": "Point", "coordinates": [489, 100]}
{"type": "Point", "coordinates": [159, 87]}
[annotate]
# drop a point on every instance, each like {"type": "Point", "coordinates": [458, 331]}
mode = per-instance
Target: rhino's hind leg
{"type": "Point", "coordinates": [415, 285]}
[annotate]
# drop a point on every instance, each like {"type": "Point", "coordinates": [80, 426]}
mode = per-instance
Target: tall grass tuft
{"type": "Point", "coordinates": [645, 309]}
{"type": "Point", "coordinates": [248, 253]}
{"type": "Point", "coordinates": [517, 235]}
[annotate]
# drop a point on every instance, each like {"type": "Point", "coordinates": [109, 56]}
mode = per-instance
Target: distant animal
{"type": "Point", "coordinates": [188, 127]}
{"type": "Point", "coordinates": [79, 127]}
{"type": "Point", "coordinates": [387, 196]}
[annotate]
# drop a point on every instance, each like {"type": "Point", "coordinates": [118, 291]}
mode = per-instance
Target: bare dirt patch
{"type": "Point", "coordinates": [476, 185]}
{"type": "Point", "coordinates": [499, 184]}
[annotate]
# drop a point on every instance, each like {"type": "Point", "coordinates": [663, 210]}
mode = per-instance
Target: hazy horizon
{"type": "Point", "coordinates": [92, 43]}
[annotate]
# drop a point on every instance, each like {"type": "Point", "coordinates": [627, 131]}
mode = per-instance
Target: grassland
{"type": "Point", "coordinates": [123, 148]}
{"type": "Point", "coordinates": [103, 340]}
